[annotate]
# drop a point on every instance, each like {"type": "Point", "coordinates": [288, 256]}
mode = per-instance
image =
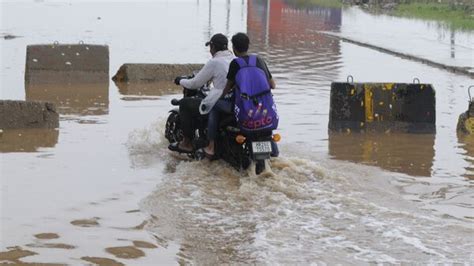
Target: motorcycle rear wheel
{"type": "Point", "coordinates": [259, 166]}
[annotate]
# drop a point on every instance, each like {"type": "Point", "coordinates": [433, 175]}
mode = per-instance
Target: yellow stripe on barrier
{"type": "Point", "coordinates": [369, 105]}
{"type": "Point", "coordinates": [469, 125]}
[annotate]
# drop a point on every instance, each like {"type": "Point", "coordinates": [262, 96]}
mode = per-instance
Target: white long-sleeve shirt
{"type": "Point", "coordinates": [216, 70]}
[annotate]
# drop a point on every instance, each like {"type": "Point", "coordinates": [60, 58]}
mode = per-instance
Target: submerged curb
{"type": "Point", "coordinates": [453, 69]}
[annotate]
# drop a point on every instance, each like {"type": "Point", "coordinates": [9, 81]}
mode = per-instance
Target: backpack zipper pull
{"type": "Point", "coordinates": [258, 108]}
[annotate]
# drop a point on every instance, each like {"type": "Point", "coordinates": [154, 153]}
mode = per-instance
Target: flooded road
{"type": "Point", "coordinates": [425, 39]}
{"type": "Point", "coordinates": [105, 183]}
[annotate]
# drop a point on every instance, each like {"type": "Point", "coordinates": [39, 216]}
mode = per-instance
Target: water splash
{"type": "Point", "coordinates": [302, 211]}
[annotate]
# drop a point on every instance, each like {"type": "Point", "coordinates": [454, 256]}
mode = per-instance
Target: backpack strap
{"type": "Point", "coordinates": [254, 97]}
{"type": "Point", "coordinates": [260, 94]}
{"type": "Point", "coordinates": [252, 60]}
{"type": "Point", "coordinates": [241, 62]}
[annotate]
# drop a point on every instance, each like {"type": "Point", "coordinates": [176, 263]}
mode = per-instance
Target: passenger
{"type": "Point", "coordinates": [214, 70]}
{"type": "Point", "coordinates": [240, 46]}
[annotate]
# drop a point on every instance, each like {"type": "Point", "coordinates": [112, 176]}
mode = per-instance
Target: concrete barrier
{"type": "Point", "coordinates": [51, 58]}
{"type": "Point", "coordinates": [21, 114]}
{"type": "Point", "coordinates": [75, 77]}
{"type": "Point", "coordinates": [465, 123]}
{"type": "Point", "coordinates": [394, 107]}
{"type": "Point", "coordinates": [466, 120]}
{"type": "Point", "coordinates": [153, 72]}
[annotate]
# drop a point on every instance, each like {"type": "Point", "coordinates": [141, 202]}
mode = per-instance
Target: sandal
{"type": "Point", "coordinates": [175, 147]}
{"type": "Point", "coordinates": [209, 156]}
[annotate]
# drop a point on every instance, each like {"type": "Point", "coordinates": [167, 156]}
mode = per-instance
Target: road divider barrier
{"type": "Point", "coordinates": [75, 77]}
{"type": "Point", "coordinates": [382, 107]}
{"type": "Point", "coordinates": [22, 114]}
{"type": "Point", "coordinates": [466, 119]}
{"type": "Point", "coordinates": [153, 72]}
{"type": "Point", "coordinates": [44, 62]}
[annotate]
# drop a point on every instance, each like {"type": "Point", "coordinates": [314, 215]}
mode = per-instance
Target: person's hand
{"type": "Point", "coordinates": [177, 80]}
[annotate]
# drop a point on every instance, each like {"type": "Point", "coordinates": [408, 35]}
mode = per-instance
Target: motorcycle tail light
{"type": "Point", "coordinates": [276, 137]}
{"type": "Point", "coordinates": [240, 139]}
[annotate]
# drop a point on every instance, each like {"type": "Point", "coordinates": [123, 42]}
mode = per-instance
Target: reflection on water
{"type": "Point", "coordinates": [303, 62]}
{"type": "Point", "coordinates": [388, 151]}
{"type": "Point", "coordinates": [467, 144]}
{"type": "Point", "coordinates": [144, 89]}
{"type": "Point", "coordinates": [278, 22]}
{"type": "Point", "coordinates": [74, 93]}
{"type": "Point", "coordinates": [286, 37]}
{"type": "Point", "coordinates": [27, 140]}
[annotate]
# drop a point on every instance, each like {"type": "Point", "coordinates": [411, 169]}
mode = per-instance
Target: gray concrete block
{"type": "Point", "coordinates": [66, 57]}
{"type": "Point", "coordinates": [153, 72]}
{"type": "Point", "coordinates": [22, 114]}
{"type": "Point", "coordinates": [65, 77]}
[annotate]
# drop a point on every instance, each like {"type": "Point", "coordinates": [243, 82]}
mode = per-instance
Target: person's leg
{"type": "Point", "coordinates": [213, 122]}
{"type": "Point", "coordinates": [188, 111]}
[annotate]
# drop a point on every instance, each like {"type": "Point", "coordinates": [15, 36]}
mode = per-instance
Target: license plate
{"type": "Point", "coordinates": [261, 147]}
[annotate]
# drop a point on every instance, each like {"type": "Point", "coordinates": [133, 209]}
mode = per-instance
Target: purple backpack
{"type": "Point", "coordinates": [254, 107]}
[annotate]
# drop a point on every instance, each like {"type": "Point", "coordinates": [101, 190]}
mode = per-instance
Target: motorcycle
{"type": "Point", "coordinates": [231, 145]}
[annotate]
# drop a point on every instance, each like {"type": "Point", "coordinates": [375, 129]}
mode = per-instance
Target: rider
{"type": "Point", "coordinates": [240, 46]}
{"type": "Point", "coordinates": [214, 70]}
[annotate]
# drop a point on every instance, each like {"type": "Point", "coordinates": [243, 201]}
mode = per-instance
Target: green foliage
{"type": "Point", "coordinates": [457, 16]}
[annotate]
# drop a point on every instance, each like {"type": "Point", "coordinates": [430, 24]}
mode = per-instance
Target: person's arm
{"type": "Point", "coordinates": [272, 84]}
{"type": "Point", "coordinates": [203, 76]}
{"type": "Point", "coordinates": [228, 86]}
{"type": "Point", "coordinates": [263, 65]}
{"type": "Point", "coordinates": [233, 68]}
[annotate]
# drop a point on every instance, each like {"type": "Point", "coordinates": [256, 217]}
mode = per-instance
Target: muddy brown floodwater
{"type": "Point", "coordinates": [103, 188]}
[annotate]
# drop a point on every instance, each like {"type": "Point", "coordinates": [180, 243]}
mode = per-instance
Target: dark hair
{"type": "Point", "coordinates": [219, 47]}
{"type": "Point", "coordinates": [240, 42]}
{"type": "Point", "coordinates": [218, 42]}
